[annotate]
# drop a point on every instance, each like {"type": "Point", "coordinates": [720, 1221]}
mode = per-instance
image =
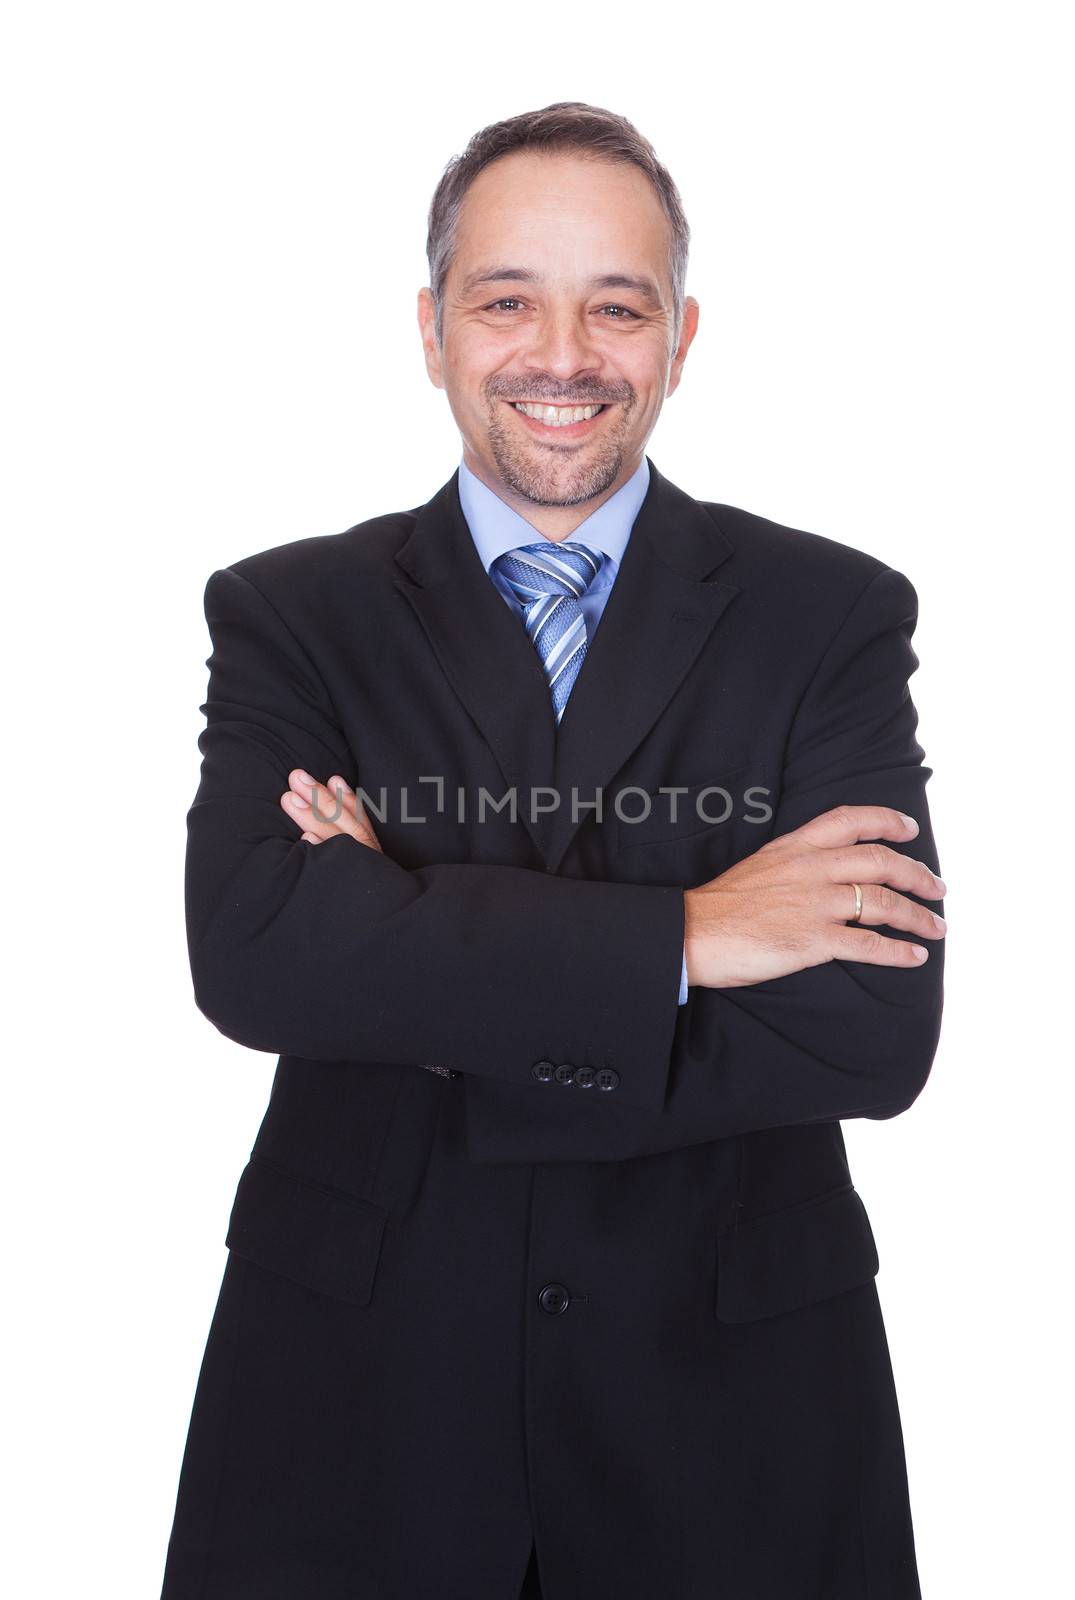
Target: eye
{"type": "Point", "coordinates": [619, 313]}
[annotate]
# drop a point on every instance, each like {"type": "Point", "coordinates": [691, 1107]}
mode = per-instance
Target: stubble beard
{"type": "Point", "coordinates": [549, 477]}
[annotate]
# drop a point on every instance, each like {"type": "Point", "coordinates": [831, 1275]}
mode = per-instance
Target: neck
{"type": "Point", "coordinates": [555, 522]}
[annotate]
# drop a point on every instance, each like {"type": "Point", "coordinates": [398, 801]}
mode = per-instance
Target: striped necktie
{"type": "Point", "coordinates": [547, 578]}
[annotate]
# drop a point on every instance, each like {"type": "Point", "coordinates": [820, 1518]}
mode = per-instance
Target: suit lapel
{"type": "Point", "coordinates": [484, 651]}
{"type": "Point", "coordinates": [658, 616]}
{"type": "Point", "coordinates": [656, 620]}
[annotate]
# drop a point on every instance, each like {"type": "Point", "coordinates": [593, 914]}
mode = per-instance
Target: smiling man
{"type": "Point", "coordinates": [564, 333]}
{"type": "Point", "coordinates": [566, 839]}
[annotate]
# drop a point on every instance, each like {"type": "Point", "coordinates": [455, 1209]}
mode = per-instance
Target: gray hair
{"type": "Point", "coordinates": [568, 125]}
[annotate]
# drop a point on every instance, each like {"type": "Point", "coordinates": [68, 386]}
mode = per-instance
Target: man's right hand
{"type": "Point", "coordinates": [787, 906]}
{"type": "Point", "coordinates": [324, 810]}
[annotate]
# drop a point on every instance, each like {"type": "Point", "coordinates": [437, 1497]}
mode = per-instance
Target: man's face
{"type": "Point", "coordinates": [559, 295]}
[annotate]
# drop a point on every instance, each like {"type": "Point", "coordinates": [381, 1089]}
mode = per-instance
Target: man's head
{"type": "Point", "coordinates": [557, 254]}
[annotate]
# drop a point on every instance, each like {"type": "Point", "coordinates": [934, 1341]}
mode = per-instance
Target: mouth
{"type": "Point", "coordinates": [565, 421]}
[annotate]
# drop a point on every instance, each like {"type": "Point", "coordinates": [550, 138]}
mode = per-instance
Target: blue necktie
{"type": "Point", "coordinates": [547, 578]}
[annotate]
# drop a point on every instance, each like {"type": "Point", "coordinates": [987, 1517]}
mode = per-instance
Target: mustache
{"type": "Point", "coordinates": [541, 393]}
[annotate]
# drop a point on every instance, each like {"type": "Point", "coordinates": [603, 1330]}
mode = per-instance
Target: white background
{"type": "Point", "coordinates": [217, 228]}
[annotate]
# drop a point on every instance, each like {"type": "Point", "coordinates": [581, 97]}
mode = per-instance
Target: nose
{"type": "Point", "coordinates": [561, 345]}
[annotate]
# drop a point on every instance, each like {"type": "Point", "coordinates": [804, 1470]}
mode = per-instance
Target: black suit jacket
{"type": "Point", "coordinates": [610, 1287]}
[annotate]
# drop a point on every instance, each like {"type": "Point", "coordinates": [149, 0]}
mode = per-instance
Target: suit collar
{"type": "Point", "coordinates": [681, 532]}
{"type": "Point", "coordinates": [658, 616]}
{"type": "Point", "coordinates": [496, 526]}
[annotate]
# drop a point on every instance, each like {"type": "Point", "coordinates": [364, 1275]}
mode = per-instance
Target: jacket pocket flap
{"type": "Point", "coordinates": [653, 815]}
{"type": "Point", "coordinates": [793, 1257]}
{"type": "Point", "coordinates": [319, 1237]}
{"type": "Point", "coordinates": [717, 804]}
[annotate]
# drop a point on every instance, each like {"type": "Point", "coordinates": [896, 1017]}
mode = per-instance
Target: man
{"type": "Point", "coordinates": [587, 1310]}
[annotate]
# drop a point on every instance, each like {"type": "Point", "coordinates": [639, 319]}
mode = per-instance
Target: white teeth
{"type": "Point", "coordinates": [557, 416]}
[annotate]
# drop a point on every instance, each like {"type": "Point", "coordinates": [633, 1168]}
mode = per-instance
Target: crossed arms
{"type": "Point", "coordinates": [323, 947]}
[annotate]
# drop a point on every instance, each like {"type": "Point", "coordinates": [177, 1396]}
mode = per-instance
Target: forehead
{"type": "Point", "coordinates": [562, 212]}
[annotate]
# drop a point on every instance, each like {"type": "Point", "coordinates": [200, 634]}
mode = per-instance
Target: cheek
{"type": "Point", "coordinates": [647, 372]}
{"type": "Point", "coordinates": [647, 401]}
{"type": "Point", "coordinates": [466, 398]}
{"type": "Point", "coordinates": [477, 353]}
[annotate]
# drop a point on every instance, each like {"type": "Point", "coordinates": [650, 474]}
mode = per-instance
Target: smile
{"type": "Point", "coordinates": [574, 418]}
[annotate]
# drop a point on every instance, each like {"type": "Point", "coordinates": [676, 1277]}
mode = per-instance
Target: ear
{"type": "Point", "coordinates": [427, 325]}
{"type": "Point", "coordinates": [686, 336]}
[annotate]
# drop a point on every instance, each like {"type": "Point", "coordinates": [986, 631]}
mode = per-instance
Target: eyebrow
{"type": "Point", "coordinates": [644, 287]}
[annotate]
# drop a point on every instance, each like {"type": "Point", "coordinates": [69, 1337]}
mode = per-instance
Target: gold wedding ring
{"type": "Point", "coordinates": [858, 903]}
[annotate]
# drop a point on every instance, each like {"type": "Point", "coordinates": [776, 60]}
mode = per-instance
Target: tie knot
{"type": "Point", "coordinates": [546, 567]}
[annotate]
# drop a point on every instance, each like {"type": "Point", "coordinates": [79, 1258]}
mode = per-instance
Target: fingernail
{"type": "Point", "coordinates": [939, 922]}
{"type": "Point", "coordinates": [303, 777]}
{"type": "Point", "coordinates": [296, 800]}
{"type": "Point", "coordinates": [919, 953]}
{"type": "Point", "coordinates": [940, 884]}
{"type": "Point", "coordinates": [910, 821]}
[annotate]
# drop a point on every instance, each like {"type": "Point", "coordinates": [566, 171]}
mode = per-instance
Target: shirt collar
{"type": "Point", "coordinates": [496, 527]}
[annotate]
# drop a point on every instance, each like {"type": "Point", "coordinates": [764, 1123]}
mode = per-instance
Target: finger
{"type": "Point", "coordinates": [331, 811]}
{"type": "Point", "coordinates": [866, 944]}
{"type": "Point", "coordinates": [301, 812]}
{"type": "Point", "coordinates": [883, 907]}
{"type": "Point", "coordinates": [326, 808]}
{"type": "Point", "coordinates": [844, 825]}
{"type": "Point", "coordinates": [340, 789]}
{"type": "Point", "coordinates": [879, 863]}
{"type": "Point", "coordinates": [350, 801]}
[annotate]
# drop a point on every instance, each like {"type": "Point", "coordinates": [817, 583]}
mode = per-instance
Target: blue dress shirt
{"type": "Point", "coordinates": [497, 527]}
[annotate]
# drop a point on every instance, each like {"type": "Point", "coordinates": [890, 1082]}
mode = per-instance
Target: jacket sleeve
{"type": "Point", "coordinates": [335, 952]}
{"type": "Point", "coordinates": [841, 1040]}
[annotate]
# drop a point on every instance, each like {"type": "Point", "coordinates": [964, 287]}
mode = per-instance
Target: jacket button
{"type": "Point", "coordinates": [554, 1298]}
{"type": "Point", "coordinates": [584, 1076]}
{"type": "Point", "coordinates": [606, 1078]}
{"type": "Point", "coordinates": [543, 1071]}
{"type": "Point", "coordinates": [565, 1073]}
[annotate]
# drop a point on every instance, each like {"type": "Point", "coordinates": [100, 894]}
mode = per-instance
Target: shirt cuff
{"type": "Point", "coordinates": [683, 979]}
